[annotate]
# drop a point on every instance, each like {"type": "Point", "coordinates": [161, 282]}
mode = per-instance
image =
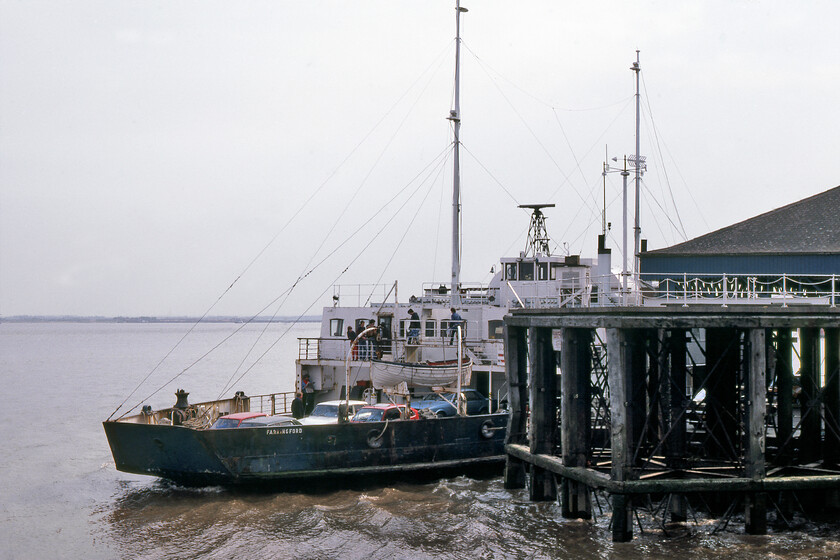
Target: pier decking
{"type": "Point", "coordinates": [674, 402]}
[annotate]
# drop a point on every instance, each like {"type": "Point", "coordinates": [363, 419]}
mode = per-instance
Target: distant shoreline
{"type": "Point", "coordinates": [145, 319]}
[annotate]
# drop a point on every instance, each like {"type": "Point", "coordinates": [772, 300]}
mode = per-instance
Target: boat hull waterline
{"type": "Point", "coordinates": [258, 455]}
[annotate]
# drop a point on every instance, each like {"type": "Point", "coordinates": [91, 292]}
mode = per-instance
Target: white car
{"type": "Point", "coordinates": [327, 412]}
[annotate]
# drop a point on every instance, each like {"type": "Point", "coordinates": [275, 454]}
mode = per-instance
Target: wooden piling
{"type": "Point", "coordinates": [722, 366]}
{"type": "Point", "coordinates": [809, 377]}
{"type": "Point", "coordinates": [784, 395]}
{"type": "Point", "coordinates": [543, 404]}
{"type": "Point", "coordinates": [831, 396]}
{"type": "Point", "coordinates": [576, 398]}
{"type": "Point", "coordinates": [516, 360]}
{"type": "Point", "coordinates": [620, 353]}
{"type": "Point", "coordinates": [755, 503]}
{"type": "Point", "coordinates": [675, 402]}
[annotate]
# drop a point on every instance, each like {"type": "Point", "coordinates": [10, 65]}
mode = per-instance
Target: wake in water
{"type": "Point", "coordinates": [452, 518]}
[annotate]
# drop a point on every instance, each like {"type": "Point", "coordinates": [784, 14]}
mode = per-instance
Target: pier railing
{"type": "Point", "coordinates": [686, 289]}
{"type": "Point", "coordinates": [725, 289]}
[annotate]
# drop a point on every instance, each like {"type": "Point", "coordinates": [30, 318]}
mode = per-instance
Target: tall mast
{"type": "Point", "coordinates": [455, 117]}
{"type": "Point", "coordinates": [637, 228]}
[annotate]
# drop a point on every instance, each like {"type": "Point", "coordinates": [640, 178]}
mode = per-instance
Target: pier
{"type": "Point", "coordinates": [726, 408]}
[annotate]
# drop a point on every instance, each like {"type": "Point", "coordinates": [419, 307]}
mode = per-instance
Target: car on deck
{"type": "Point", "coordinates": [327, 412]}
{"type": "Point", "coordinates": [279, 420]}
{"type": "Point", "coordinates": [234, 420]}
{"type": "Point", "coordinates": [443, 404]}
{"type": "Point", "coordinates": [383, 411]}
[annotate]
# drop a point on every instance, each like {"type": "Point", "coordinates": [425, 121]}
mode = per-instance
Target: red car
{"type": "Point", "coordinates": [234, 420]}
{"type": "Point", "coordinates": [383, 411]}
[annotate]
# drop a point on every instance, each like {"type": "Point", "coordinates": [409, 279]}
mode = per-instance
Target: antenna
{"type": "Point", "coordinates": [537, 235]}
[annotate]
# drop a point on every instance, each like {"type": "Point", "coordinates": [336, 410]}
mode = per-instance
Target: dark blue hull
{"type": "Point", "coordinates": [262, 455]}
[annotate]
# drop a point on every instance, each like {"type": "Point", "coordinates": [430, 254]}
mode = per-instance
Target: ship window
{"type": "Point", "coordinates": [526, 271]}
{"type": "Point", "coordinates": [403, 327]}
{"type": "Point", "coordinates": [385, 326]}
{"type": "Point", "coordinates": [542, 271]}
{"type": "Point", "coordinates": [430, 328]}
{"type": "Point", "coordinates": [337, 327]}
{"type": "Point", "coordinates": [496, 329]}
{"type": "Point", "coordinates": [510, 271]}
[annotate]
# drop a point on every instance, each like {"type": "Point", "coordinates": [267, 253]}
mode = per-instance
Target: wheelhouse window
{"type": "Point", "coordinates": [542, 271]}
{"type": "Point", "coordinates": [430, 328]}
{"type": "Point", "coordinates": [510, 271]}
{"type": "Point", "coordinates": [526, 271]}
{"type": "Point", "coordinates": [337, 327]}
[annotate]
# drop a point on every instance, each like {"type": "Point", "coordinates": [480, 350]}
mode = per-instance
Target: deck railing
{"type": "Point", "coordinates": [360, 295]}
{"type": "Point", "coordinates": [273, 403]}
{"type": "Point", "coordinates": [487, 351]}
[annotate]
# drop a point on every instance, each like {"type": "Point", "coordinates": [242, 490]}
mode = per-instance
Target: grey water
{"type": "Point", "coordinates": [61, 497]}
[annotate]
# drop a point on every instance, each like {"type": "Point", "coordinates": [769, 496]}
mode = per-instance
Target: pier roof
{"type": "Point", "coordinates": [809, 226]}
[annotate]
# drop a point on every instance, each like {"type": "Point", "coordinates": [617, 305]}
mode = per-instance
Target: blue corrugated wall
{"type": "Point", "coordinates": [741, 264]}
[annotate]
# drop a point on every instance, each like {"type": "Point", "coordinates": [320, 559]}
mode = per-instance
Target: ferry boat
{"type": "Point", "coordinates": [180, 443]}
{"type": "Point", "coordinates": [404, 349]}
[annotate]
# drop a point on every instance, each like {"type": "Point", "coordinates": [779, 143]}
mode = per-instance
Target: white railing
{"type": "Point", "coordinates": [487, 350]}
{"type": "Point", "coordinates": [726, 289]}
{"type": "Point", "coordinates": [361, 295]}
{"type": "Point", "coordinates": [470, 293]}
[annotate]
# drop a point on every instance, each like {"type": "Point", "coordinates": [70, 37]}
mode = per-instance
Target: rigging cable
{"type": "Point", "coordinates": [539, 142]}
{"type": "Point", "coordinates": [413, 218]}
{"type": "Point", "coordinates": [282, 229]}
{"type": "Point", "coordinates": [356, 192]}
{"type": "Point", "coordinates": [662, 159]}
{"type": "Point", "coordinates": [358, 255]}
{"type": "Point", "coordinates": [291, 288]}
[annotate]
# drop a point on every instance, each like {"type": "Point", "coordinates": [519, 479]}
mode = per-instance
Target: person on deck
{"type": "Point", "coordinates": [297, 405]}
{"type": "Point", "coordinates": [372, 340]}
{"type": "Point", "coordinates": [308, 391]}
{"type": "Point", "coordinates": [351, 335]}
{"type": "Point", "coordinates": [364, 343]}
{"type": "Point", "coordinates": [413, 327]}
{"type": "Point", "coordinates": [455, 321]}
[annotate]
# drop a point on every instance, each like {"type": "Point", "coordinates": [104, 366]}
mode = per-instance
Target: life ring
{"type": "Point", "coordinates": [488, 429]}
{"type": "Point", "coordinates": [374, 439]}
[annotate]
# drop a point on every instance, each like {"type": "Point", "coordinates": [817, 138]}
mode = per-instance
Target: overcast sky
{"type": "Point", "coordinates": [150, 152]}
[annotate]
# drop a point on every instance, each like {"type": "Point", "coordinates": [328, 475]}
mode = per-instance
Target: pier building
{"type": "Point", "coordinates": [716, 387]}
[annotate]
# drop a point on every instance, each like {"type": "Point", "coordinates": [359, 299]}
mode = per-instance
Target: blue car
{"type": "Point", "coordinates": [443, 404]}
